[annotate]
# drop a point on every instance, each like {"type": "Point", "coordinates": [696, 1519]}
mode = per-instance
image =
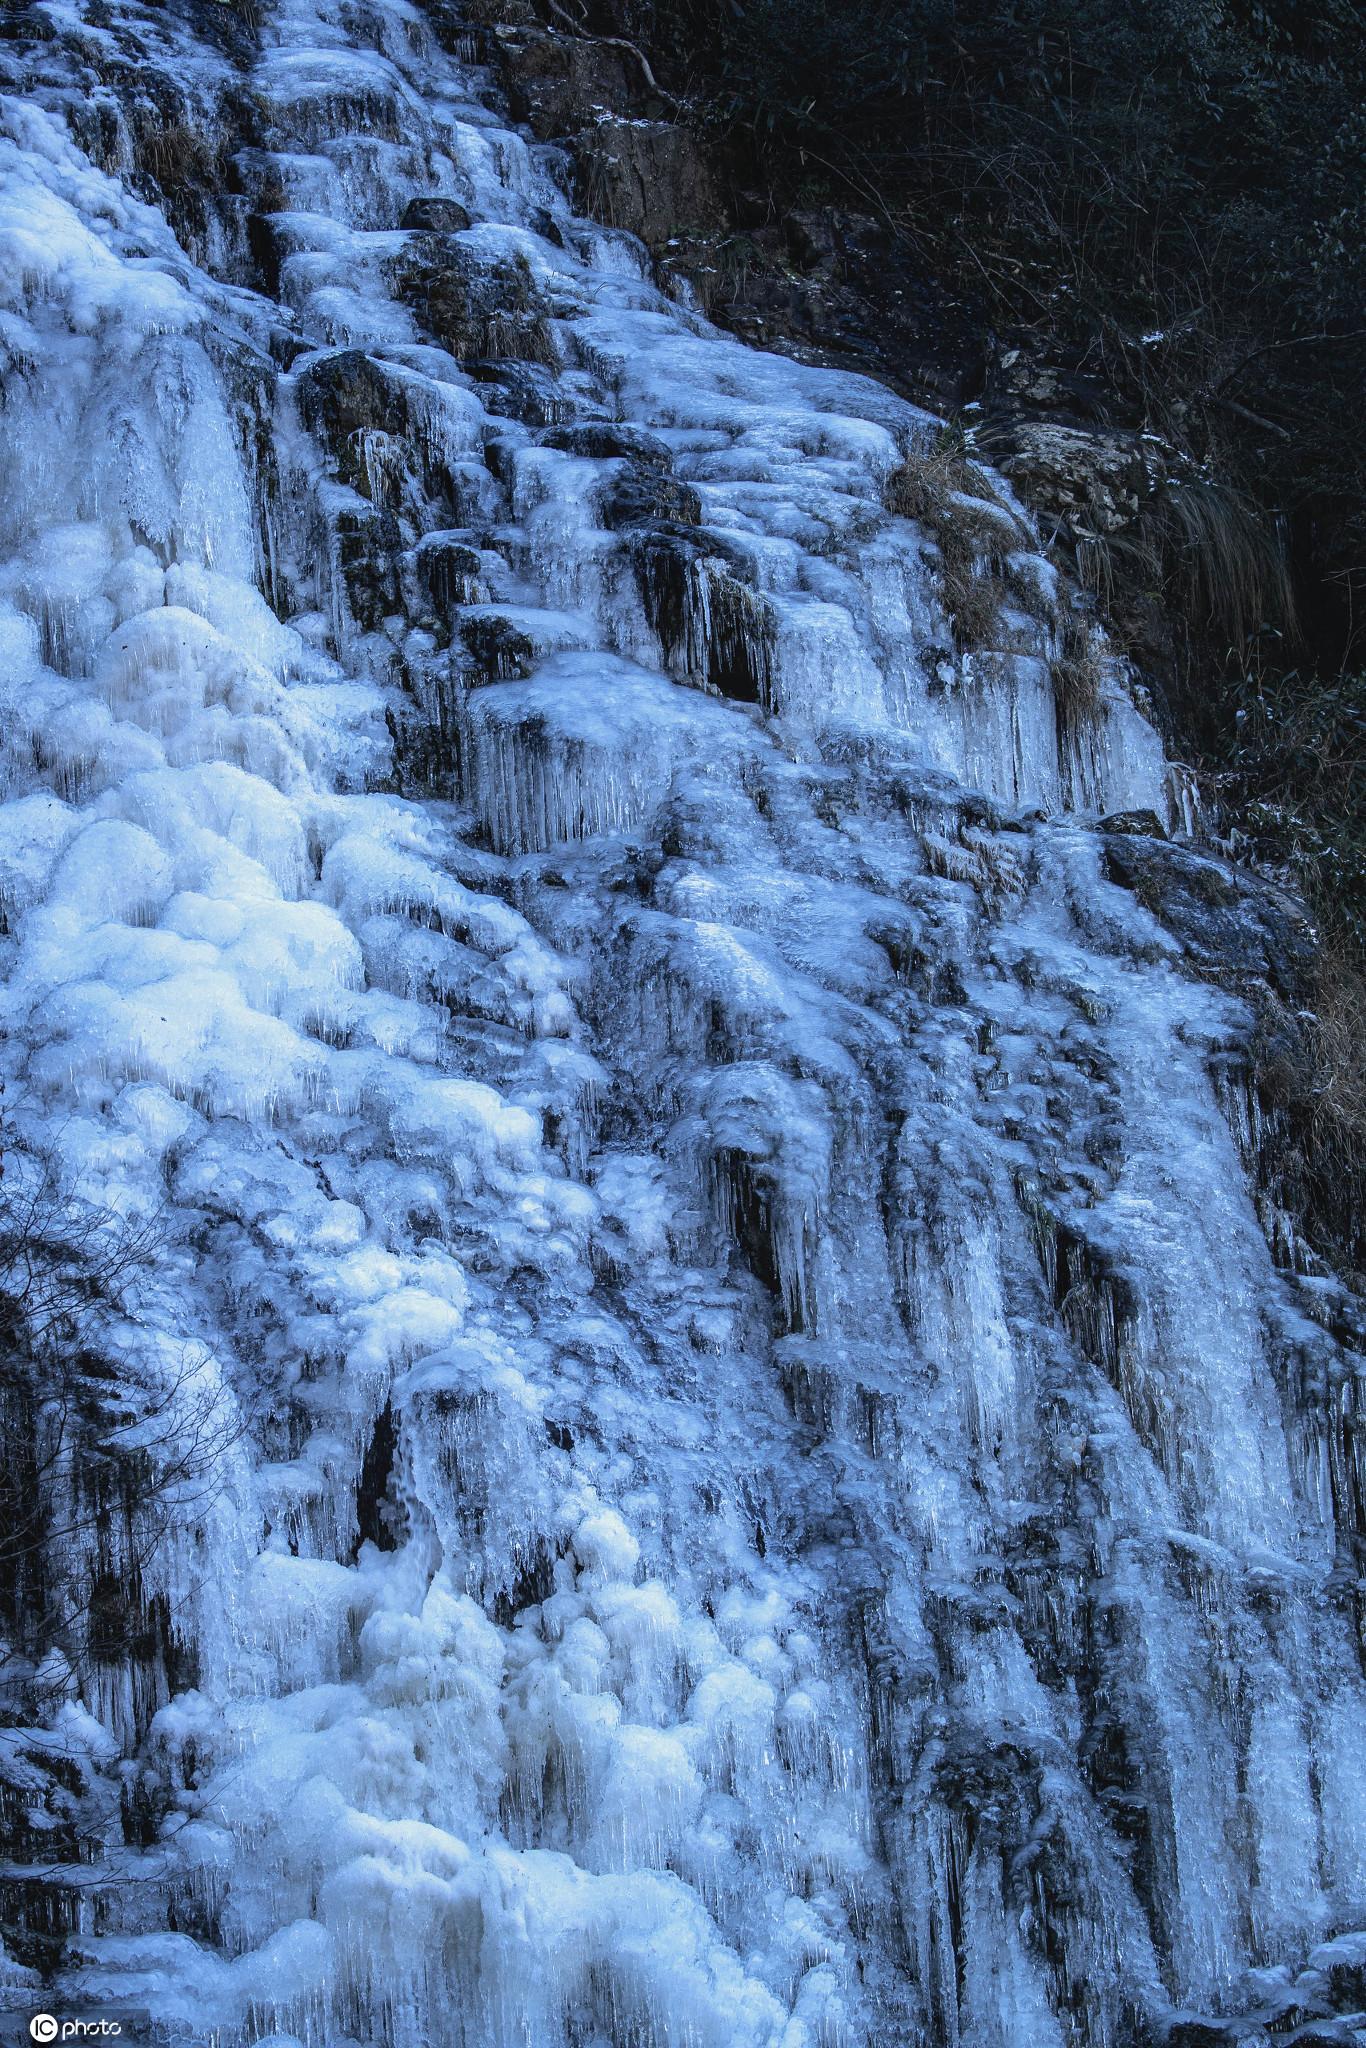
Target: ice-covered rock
{"type": "Point", "coordinates": [697, 1440]}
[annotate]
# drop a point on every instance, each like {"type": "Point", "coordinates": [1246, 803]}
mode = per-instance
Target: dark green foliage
{"type": "Point", "coordinates": [1296, 778]}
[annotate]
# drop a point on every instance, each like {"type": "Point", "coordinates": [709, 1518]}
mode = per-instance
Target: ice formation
{"type": "Point", "coordinates": [764, 1487]}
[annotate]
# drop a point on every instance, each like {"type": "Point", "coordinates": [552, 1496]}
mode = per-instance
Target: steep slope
{"type": "Point", "coordinates": [704, 1443]}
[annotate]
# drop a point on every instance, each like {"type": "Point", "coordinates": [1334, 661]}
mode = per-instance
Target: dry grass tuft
{"type": "Point", "coordinates": [955, 501]}
{"type": "Point", "coordinates": [920, 487]}
{"type": "Point", "coordinates": [176, 156]}
{"type": "Point", "coordinates": [1211, 558]}
{"type": "Point", "coordinates": [1336, 1139]}
{"type": "Point", "coordinates": [1077, 672]}
{"type": "Point", "coordinates": [1339, 1035]}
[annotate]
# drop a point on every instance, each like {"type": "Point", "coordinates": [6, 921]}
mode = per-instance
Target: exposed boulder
{"type": "Point", "coordinates": [603, 439]}
{"type": "Point", "coordinates": [553, 80]}
{"type": "Point", "coordinates": [351, 393]}
{"type": "Point", "coordinates": [1188, 2031]}
{"type": "Point", "coordinates": [500, 648]}
{"type": "Point", "coordinates": [374, 422]}
{"type": "Point", "coordinates": [449, 572]}
{"type": "Point", "coordinates": [473, 307]}
{"type": "Point", "coordinates": [436, 215]}
{"type": "Point", "coordinates": [1232, 925]}
{"type": "Point", "coordinates": [519, 391]}
{"type": "Point", "coordinates": [1095, 479]}
{"type": "Point", "coordinates": [648, 177]}
{"type": "Point", "coordinates": [713, 628]}
{"type": "Point", "coordinates": [639, 495]}
{"type": "Point", "coordinates": [1340, 1965]}
{"type": "Point", "coordinates": [1146, 824]}
{"type": "Point", "coordinates": [369, 544]}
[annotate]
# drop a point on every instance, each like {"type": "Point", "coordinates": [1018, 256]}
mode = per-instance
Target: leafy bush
{"type": "Point", "coordinates": [1294, 772]}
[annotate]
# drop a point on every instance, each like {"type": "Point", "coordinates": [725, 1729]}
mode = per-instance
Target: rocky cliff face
{"type": "Point", "coordinates": [674, 1402]}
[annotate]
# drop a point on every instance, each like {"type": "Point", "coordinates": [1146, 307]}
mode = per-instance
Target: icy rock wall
{"type": "Point", "coordinates": [772, 1493]}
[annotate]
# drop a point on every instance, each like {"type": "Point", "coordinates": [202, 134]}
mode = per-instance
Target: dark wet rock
{"type": "Point", "coordinates": [368, 416]}
{"type": "Point", "coordinates": [642, 496]}
{"type": "Point", "coordinates": [665, 561]}
{"type": "Point", "coordinates": [449, 572]}
{"type": "Point", "coordinates": [286, 347]}
{"type": "Point", "coordinates": [1146, 824]}
{"type": "Point", "coordinates": [473, 308]}
{"type": "Point", "coordinates": [518, 390]}
{"type": "Point", "coordinates": [994, 1782]}
{"type": "Point", "coordinates": [554, 80]}
{"type": "Point", "coordinates": [379, 1513]}
{"type": "Point", "coordinates": [269, 243]}
{"type": "Point", "coordinates": [664, 554]}
{"type": "Point", "coordinates": [648, 177]}
{"type": "Point", "coordinates": [500, 649]}
{"type": "Point", "coordinates": [350, 393]}
{"type": "Point", "coordinates": [1341, 1967]}
{"type": "Point", "coordinates": [714, 629]}
{"type": "Point", "coordinates": [603, 439]}
{"type": "Point", "coordinates": [1018, 380]}
{"type": "Point", "coordinates": [1233, 925]}
{"type": "Point", "coordinates": [1190, 2031]}
{"type": "Point", "coordinates": [436, 216]}
{"type": "Point", "coordinates": [369, 544]}
{"type": "Point", "coordinates": [834, 286]}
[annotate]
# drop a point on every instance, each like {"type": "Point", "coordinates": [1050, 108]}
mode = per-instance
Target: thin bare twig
{"type": "Point", "coordinates": [581, 35]}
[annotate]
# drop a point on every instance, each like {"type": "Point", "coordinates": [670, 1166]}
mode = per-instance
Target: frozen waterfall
{"type": "Point", "coordinates": [701, 1445]}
